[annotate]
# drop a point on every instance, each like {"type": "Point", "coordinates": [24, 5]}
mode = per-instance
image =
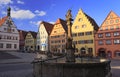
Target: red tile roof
{"type": "Point", "coordinates": [63, 23]}
{"type": "Point", "coordinates": [48, 26]}
{"type": "Point", "coordinates": [3, 20]}
{"type": "Point", "coordinates": [92, 21]}
{"type": "Point", "coordinates": [22, 34]}
{"type": "Point", "coordinates": [34, 34]}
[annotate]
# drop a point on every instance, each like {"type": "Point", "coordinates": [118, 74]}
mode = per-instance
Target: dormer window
{"type": "Point", "coordinates": [80, 19]}
{"type": "Point", "coordinates": [111, 16]}
{"type": "Point", "coordinates": [83, 26]}
{"type": "Point", "coordinates": [77, 27]}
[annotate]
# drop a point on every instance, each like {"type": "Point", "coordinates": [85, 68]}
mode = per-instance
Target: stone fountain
{"type": "Point", "coordinates": [68, 65]}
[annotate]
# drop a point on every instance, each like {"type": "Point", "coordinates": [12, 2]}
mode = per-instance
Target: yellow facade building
{"type": "Point", "coordinates": [30, 41]}
{"type": "Point", "coordinates": [83, 29]}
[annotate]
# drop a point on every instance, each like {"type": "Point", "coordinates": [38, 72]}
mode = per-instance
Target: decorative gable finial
{"type": "Point", "coordinates": [8, 10]}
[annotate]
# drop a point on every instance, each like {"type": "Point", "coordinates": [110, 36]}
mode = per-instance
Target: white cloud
{"type": "Point", "coordinates": [22, 14]}
{"type": "Point", "coordinates": [15, 8]}
{"type": "Point", "coordinates": [4, 2]}
{"type": "Point", "coordinates": [40, 13]}
{"type": "Point", "coordinates": [37, 23]}
{"type": "Point", "coordinates": [20, 2]}
{"type": "Point", "coordinates": [51, 22]}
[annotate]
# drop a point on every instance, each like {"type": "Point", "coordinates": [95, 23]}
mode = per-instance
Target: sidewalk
{"type": "Point", "coordinates": [23, 58]}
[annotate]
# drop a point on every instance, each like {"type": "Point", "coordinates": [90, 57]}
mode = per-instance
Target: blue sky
{"type": "Point", "coordinates": [27, 14]}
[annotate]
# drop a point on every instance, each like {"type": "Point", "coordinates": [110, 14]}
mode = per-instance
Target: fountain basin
{"type": "Point", "coordinates": [79, 69]}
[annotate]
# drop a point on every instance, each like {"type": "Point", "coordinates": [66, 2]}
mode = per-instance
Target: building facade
{"type": "Point", "coordinates": [108, 37]}
{"type": "Point", "coordinates": [83, 30]}
{"type": "Point", "coordinates": [44, 31]}
{"type": "Point", "coordinates": [30, 41]}
{"type": "Point", "coordinates": [58, 37]}
{"type": "Point", "coordinates": [9, 35]}
{"type": "Point", "coordinates": [22, 35]}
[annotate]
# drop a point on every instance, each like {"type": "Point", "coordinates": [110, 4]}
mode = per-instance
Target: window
{"type": "Point", "coordinates": [83, 26]}
{"type": "Point", "coordinates": [106, 28]}
{"type": "Point", "coordinates": [15, 46]}
{"type": "Point", "coordinates": [117, 20]}
{"type": "Point", "coordinates": [74, 34]}
{"type": "Point", "coordinates": [117, 27]}
{"type": "Point", "coordinates": [108, 41]}
{"type": "Point", "coordinates": [13, 30]}
{"type": "Point", "coordinates": [77, 27]}
{"type": "Point", "coordinates": [81, 34]}
{"type": "Point", "coordinates": [100, 42]}
{"type": "Point", "coordinates": [116, 33]}
{"type": "Point", "coordinates": [107, 35]}
{"type": "Point", "coordinates": [111, 21]}
{"type": "Point", "coordinates": [111, 16]}
{"type": "Point", "coordinates": [8, 46]}
{"type": "Point", "coordinates": [74, 42]}
{"type": "Point", "coordinates": [0, 36]}
{"type": "Point", "coordinates": [90, 50]}
{"type": "Point", "coordinates": [100, 35]}
{"type": "Point", "coordinates": [117, 41]}
{"type": "Point", "coordinates": [106, 22]}
{"type": "Point", "coordinates": [5, 29]}
{"type": "Point", "coordinates": [111, 28]}
{"type": "Point", "coordinates": [63, 41]}
{"type": "Point", "coordinates": [89, 41]}
{"type": "Point", "coordinates": [80, 19]}
{"type": "Point", "coordinates": [1, 45]}
{"type": "Point", "coordinates": [55, 31]}
{"type": "Point", "coordinates": [81, 42]}
{"type": "Point", "coordinates": [88, 33]}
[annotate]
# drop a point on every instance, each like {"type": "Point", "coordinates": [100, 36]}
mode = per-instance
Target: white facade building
{"type": "Point", "coordinates": [9, 35]}
{"type": "Point", "coordinates": [43, 36]}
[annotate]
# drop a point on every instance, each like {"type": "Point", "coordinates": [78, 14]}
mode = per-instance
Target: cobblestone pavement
{"type": "Point", "coordinates": [17, 64]}
{"type": "Point", "coordinates": [18, 73]}
{"type": "Point", "coordinates": [115, 68]}
{"type": "Point", "coordinates": [4, 55]}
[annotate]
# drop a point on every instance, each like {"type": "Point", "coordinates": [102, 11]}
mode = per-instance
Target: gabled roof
{"type": "Point", "coordinates": [3, 20]}
{"type": "Point", "coordinates": [92, 21]}
{"type": "Point", "coordinates": [111, 12]}
{"type": "Point", "coordinates": [34, 34]}
{"type": "Point", "coordinates": [47, 26]}
{"type": "Point", "coordinates": [22, 34]}
{"type": "Point", "coordinates": [63, 23]}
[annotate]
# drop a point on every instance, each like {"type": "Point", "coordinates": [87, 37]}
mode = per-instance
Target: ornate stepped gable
{"type": "Point", "coordinates": [83, 19]}
{"type": "Point", "coordinates": [111, 20]}
{"type": "Point", "coordinates": [92, 21]}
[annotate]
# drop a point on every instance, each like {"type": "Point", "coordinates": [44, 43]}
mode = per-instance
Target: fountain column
{"type": "Point", "coordinates": [70, 57]}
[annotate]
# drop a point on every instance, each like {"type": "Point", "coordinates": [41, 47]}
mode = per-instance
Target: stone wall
{"type": "Point", "coordinates": [43, 69]}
